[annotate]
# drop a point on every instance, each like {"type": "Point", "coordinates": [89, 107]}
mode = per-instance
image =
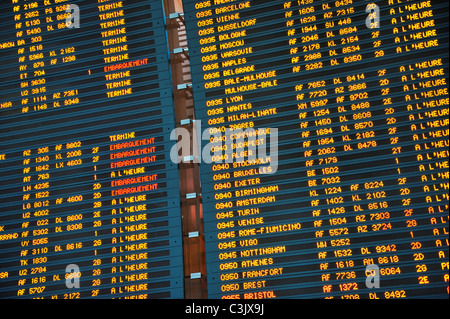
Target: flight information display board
{"type": "Point", "coordinates": [89, 199]}
{"type": "Point", "coordinates": [355, 202]}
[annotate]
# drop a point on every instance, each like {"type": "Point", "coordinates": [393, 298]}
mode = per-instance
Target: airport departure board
{"type": "Point", "coordinates": [89, 199]}
{"type": "Point", "coordinates": [328, 125]}
{"type": "Point", "coordinates": [324, 158]}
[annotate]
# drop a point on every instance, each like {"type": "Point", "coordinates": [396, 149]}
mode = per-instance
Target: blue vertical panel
{"type": "Point", "coordinates": [358, 206]}
{"type": "Point", "coordinates": [89, 199]}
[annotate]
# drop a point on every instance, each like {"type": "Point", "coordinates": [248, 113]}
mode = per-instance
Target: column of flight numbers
{"type": "Point", "coordinates": [358, 137]}
{"type": "Point", "coordinates": [38, 208]}
{"type": "Point", "coordinates": [385, 210]}
{"type": "Point", "coordinates": [426, 95]}
{"type": "Point", "coordinates": [304, 17]}
{"type": "Point", "coordinates": [294, 18]}
{"type": "Point", "coordinates": [30, 21]}
{"type": "Point", "coordinates": [292, 14]}
{"type": "Point", "coordinates": [70, 210]}
{"type": "Point", "coordinates": [376, 216]}
{"type": "Point", "coordinates": [384, 213]}
{"type": "Point", "coordinates": [26, 214]}
{"type": "Point", "coordinates": [323, 112]}
{"type": "Point", "coordinates": [384, 206]}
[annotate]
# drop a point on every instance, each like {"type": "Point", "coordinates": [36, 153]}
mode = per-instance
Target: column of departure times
{"type": "Point", "coordinates": [240, 189]}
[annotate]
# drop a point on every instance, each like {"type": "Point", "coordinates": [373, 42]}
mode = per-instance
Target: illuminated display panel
{"type": "Point", "coordinates": [361, 187]}
{"type": "Point", "coordinates": [87, 180]}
